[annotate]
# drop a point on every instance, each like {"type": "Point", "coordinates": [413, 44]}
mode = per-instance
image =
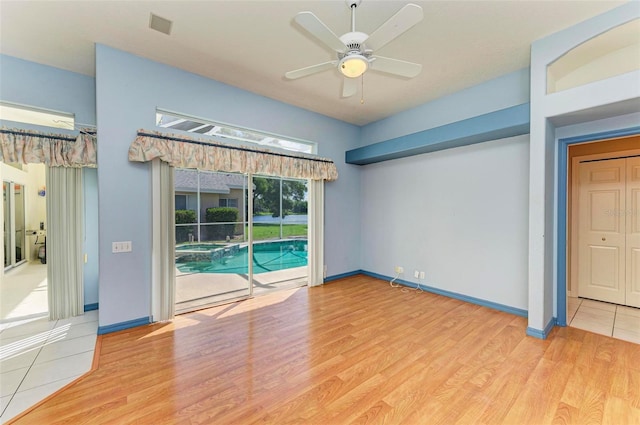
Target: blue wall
{"type": "Point", "coordinates": [128, 91]}
{"type": "Point", "coordinates": [31, 84]}
{"type": "Point", "coordinates": [500, 93]}
{"type": "Point", "coordinates": [465, 205]}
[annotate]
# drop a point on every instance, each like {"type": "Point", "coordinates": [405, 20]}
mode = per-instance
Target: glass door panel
{"type": "Point", "coordinates": [279, 233]}
{"type": "Point", "coordinates": [211, 253]}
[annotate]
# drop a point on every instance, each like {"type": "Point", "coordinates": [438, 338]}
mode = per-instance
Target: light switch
{"type": "Point", "coordinates": [118, 247]}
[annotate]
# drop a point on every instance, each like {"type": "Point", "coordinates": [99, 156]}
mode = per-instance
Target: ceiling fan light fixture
{"type": "Point", "coordinates": [353, 66]}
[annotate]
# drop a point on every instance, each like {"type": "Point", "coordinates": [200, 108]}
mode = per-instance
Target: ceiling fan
{"type": "Point", "coordinates": [355, 49]}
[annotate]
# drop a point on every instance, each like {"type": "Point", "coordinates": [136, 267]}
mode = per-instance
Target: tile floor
{"type": "Point", "coordinates": [603, 318]}
{"type": "Point", "coordinates": [24, 292]}
{"type": "Point", "coordinates": [38, 356]}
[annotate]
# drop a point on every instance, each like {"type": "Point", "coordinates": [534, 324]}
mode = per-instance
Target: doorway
{"type": "Point", "coordinates": [609, 266]}
{"type": "Point", "coordinates": [608, 227]}
{"type": "Point", "coordinates": [24, 283]}
{"type": "Point", "coordinates": [598, 164]}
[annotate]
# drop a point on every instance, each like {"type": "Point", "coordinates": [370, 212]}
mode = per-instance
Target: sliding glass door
{"type": "Point", "coordinates": [218, 258]}
{"type": "Point", "coordinates": [279, 241]}
{"type": "Point", "coordinates": [211, 249]}
{"type": "Point", "coordinates": [14, 224]}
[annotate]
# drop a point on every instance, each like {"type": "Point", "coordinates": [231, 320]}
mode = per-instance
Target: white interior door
{"type": "Point", "coordinates": [632, 215]}
{"type": "Point", "coordinates": [602, 230]}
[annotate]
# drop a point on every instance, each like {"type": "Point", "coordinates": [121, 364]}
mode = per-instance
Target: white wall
{"type": "Point", "coordinates": [460, 215]}
{"type": "Point", "coordinates": [36, 205]}
{"type": "Point", "coordinates": [37, 210]}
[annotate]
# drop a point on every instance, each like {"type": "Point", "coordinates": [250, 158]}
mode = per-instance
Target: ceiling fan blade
{"type": "Point", "coordinates": [395, 66]}
{"type": "Point", "coordinates": [349, 86]}
{"type": "Point", "coordinates": [404, 19]}
{"type": "Point", "coordinates": [303, 72]}
{"type": "Point", "coordinates": [319, 30]}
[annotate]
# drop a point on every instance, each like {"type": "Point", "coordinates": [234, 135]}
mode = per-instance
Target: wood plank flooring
{"type": "Point", "coordinates": [353, 351]}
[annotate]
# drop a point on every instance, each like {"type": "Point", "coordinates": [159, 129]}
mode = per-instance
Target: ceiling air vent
{"type": "Point", "coordinates": [160, 24]}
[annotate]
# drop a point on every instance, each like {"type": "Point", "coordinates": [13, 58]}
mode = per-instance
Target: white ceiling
{"type": "Point", "coordinates": [251, 44]}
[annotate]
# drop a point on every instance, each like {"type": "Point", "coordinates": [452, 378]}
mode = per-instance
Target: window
{"type": "Point", "coordinates": [228, 202]}
{"type": "Point", "coordinates": [209, 128]}
{"type": "Point", "coordinates": [181, 202]}
{"type": "Point", "coordinates": [28, 115]}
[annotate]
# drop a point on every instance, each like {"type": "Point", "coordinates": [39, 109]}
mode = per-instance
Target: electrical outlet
{"type": "Point", "coordinates": [399, 269]}
{"type": "Point", "coordinates": [416, 273]}
{"type": "Point", "coordinates": [421, 275]}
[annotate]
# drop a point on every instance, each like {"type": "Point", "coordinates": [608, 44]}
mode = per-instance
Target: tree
{"type": "Point", "coordinates": [266, 196]}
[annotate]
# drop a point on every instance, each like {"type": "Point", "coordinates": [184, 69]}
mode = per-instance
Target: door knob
{"type": "Point", "coordinates": [604, 239]}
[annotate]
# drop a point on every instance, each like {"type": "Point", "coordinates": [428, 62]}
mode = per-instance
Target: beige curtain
{"type": "Point", "coordinates": [65, 214]}
{"type": "Point", "coordinates": [165, 262]}
{"type": "Point", "coordinates": [184, 152]}
{"type": "Point", "coordinates": [54, 150]}
{"type": "Point", "coordinates": [316, 232]}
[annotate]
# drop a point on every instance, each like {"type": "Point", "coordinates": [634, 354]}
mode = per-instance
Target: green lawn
{"type": "Point", "coordinates": [272, 231]}
{"type": "Point", "coordinates": [263, 231]}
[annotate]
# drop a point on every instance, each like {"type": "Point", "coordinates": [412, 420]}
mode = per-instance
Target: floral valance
{"type": "Point", "coordinates": [184, 152]}
{"type": "Point", "coordinates": [54, 150]}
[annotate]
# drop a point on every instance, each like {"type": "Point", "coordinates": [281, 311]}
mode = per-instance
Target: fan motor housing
{"type": "Point", "coordinates": [355, 44]}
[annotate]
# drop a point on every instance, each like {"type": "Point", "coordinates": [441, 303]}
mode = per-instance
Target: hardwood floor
{"type": "Point", "coordinates": [352, 351]}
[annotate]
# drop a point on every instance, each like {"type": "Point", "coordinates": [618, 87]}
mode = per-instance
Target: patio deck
{"type": "Point", "coordinates": [198, 290]}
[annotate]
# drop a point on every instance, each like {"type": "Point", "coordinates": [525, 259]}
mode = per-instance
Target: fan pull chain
{"type": "Point", "coordinates": [362, 90]}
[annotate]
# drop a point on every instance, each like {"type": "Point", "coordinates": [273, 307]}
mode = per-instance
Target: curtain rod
{"type": "Point", "coordinates": [237, 148]}
{"type": "Point", "coordinates": [47, 136]}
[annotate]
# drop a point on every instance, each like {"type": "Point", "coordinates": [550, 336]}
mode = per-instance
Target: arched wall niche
{"type": "Point", "coordinates": [609, 54]}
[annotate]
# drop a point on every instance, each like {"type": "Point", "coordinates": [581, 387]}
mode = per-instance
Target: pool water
{"type": "Point", "coordinates": [199, 247]}
{"type": "Point", "coordinates": [267, 257]}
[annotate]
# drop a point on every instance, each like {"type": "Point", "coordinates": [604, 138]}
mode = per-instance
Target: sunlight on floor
{"type": "Point", "coordinates": [23, 292]}
{"type": "Point", "coordinates": [38, 356]}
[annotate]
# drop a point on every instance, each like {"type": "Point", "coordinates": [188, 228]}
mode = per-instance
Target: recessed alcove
{"type": "Point", "coordinates": [614, 52]}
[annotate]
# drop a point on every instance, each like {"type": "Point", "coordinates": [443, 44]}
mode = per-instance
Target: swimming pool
{"type": "Point", "coordinates": [267, 257]}
{"type": "Point", "coordinates": [199, 247]}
